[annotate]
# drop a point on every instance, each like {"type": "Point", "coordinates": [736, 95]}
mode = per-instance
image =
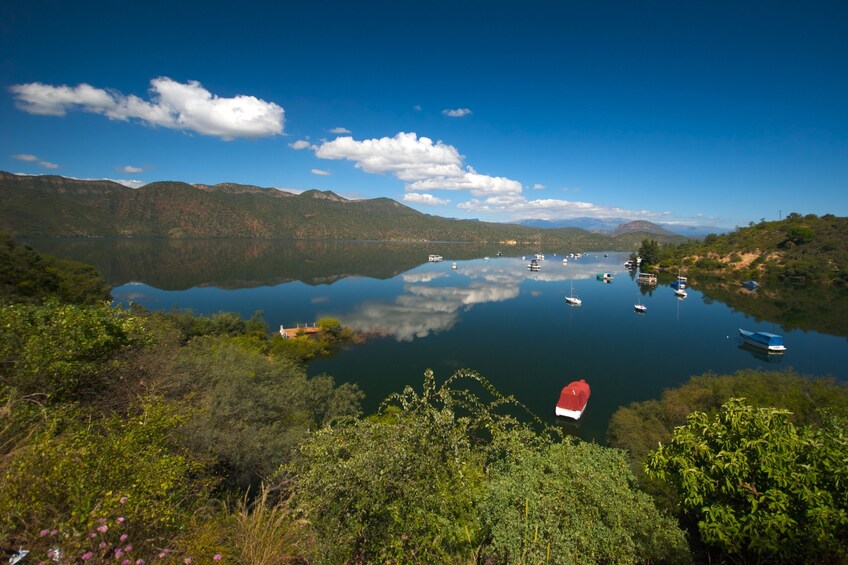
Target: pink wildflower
{"type": "Point", "coordinates": [121, 519]}
{"type": "Point", "coordinates": [187, 560]}
{"type": "Point", "coordinates": [102, 545]}
{"type": "Point", "coordinates": [54, 532]}
{"type": "Point", "coordinates": [103, 529]}
{"type": "Point", "coordinates": [43, 533]}
{"type": "Point", "coordinates": [87, 555]}
{"type": "Point", "coordinates": [217, 557]}
{"type": "Point", "coordinates": [93, 535]}
{"type": "Point", "coordinates": [139, 562]}
{"type": "Point", "coordinates": [124, 537]}
{"type": "Point", "coordinates": [123, 500]}
{"type": "Point", "coordinates": [126, 562]}
{"type": "Point", "coordinates": [128, 548]}
{"type": "Point", "coordinates": [119, 553]}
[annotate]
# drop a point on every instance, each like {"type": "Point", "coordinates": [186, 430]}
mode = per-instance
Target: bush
{"type": "Point", "coordinates": [61, 350]}
{"type": "Point", "coordinates": [76, 472]}
{"type": "Point", "coordinates": [759, 488]}
{"type": "Point", "coordinates": [572, 504]}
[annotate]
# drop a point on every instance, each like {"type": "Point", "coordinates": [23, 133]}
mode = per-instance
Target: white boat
{"type": "Point", "coordinates": [573, 399]}
{"type": "Point", "coordinates": [573, 300]}
{"type": "Point", "coordinates": [639, 307]}
{"type": "Point", "coordinates": [435, 258]}
{"type": "Point", "coordinates": [534, 265]}
{"type": "Point", "coordinates": [540, 257]}
{"type": "Point", "coordinates": [453, 265]}
{"type": "Point", "coordinates": [772, 343]}
{"type": "Point", "coordinates": [680, 292]}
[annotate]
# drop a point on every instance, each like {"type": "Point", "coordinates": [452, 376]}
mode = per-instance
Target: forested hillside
{"type": "Point", "coordinates": [60, 207]}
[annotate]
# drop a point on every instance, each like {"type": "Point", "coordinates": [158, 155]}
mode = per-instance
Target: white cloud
{"type": "Point", "coordinates": [129, 183]}
{"type": "Point", "coordinates": [551, 209]}
{"type": "Point", "coordinates": [48, 165]}
{"type": "Point", "coordinates": [321, 172]}
{"type": "Point", "coordinates": [340, 130]}
{"type": "Point", "coordinates": [538, 186]}
{"type": "Point", "coordinates": [25, 157]}
{"type": "Point", "coordinates": [426, 199]}
{"type": "Point", "coordinates": [131, 169]}
{"type": "Point", "coordinates": [300, 144]}
{"type": "Point", "coordinates": [425, 165]}
{"type": "Point", "coordinates": [456, 113]}
{"type": "Point", "coordinates": [173, 105]}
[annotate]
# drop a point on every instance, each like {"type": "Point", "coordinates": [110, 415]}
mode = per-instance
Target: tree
{"type": "Point", "coordinates": [758, 487]}
{"type": "Point", "coordinates": [574, 503]}
{"type": "Point", "coordinates": [650, 252]}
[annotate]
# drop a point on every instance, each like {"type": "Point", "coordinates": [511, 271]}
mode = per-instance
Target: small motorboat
{"type": "Point", "coordinates": [772, 343]}
{"type": "Point", "coordinates": [573, 399]}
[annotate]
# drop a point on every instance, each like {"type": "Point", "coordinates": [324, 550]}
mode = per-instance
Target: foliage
{"type": "Point", "coordinates": [445, 476]}
{"type": "Point", "coordinates": [641, 426]}
{"type": "Point", "coordinates": [220, 323]}
{"type": "Point", "coordinates": [572, 504]}
{"type": "Point", "coordinates": [62, 350]}
{"type": "Point", "coordinates": [649, 251]}
{"type": "Point", "coordinates": [758, 486]}
{"type": "Point", "coordinates": [27, 276]}
{"type": "Point", "coordinates": [399, 486]}
{"type": "Point", "coordinates": [249, 409]}
{"type": "Point", "coordinates": [76, 470]}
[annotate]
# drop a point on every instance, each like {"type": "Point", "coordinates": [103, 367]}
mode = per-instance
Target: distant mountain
{"type": "Point", "coordinates": [61, 207]}
{"type": "Point", "coordinates": [641, 226]}
{"type": "Point", "coordinates": [598, 225]}
{"type": "Point", "coordinates": [610, 225]}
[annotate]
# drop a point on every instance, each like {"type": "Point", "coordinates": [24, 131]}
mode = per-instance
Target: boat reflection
{"type": "Point", "coordinates": [761, 353]}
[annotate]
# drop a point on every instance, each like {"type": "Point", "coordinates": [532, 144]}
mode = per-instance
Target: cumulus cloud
{"type": "Point", "coordinates": [130, 169]}
{"type": "Point", "coordinates": [339, 130]}
{"type": "Point", "coordinates": [300, 144]}
{"type": "Point", "coordinates": [173, 105]}
{"type": "Point", "coordinates": [552, 209]}
{"type": "Point", "coordinates": [424, 165]}
{"type": "Point", "coordinates": [25, 157]}
{"type": "Point", "coordinates": [538, 186]}
{"type": "Point", "coordinates": [321, 172]}
{"type": "Point", "coordinates": [426, 199]}
{"type": "Point", "coordinates": [456, 113]}
{"type": "Point", "coordinates": [48, 165]}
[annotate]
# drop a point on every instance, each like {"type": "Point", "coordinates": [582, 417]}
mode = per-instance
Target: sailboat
{"type": "Point", "coordinates": [639, 307]}
{"type": "Point", "coordinates": [573, 300]}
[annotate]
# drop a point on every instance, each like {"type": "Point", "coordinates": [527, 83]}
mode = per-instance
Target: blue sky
{"type": "Point", "coordinates": [701, 113]}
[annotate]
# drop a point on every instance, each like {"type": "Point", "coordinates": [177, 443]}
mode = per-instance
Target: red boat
{"type": "Point", "coordinates": [573, 399]}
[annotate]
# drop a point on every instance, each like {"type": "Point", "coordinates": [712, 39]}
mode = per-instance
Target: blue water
{"type": "Point", "coordinates": [514, 327]}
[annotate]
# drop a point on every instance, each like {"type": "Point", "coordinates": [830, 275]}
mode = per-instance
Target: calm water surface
{"type": "Point", "coordinates": [493, 316]}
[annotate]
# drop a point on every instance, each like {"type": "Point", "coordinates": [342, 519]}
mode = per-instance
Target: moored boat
{"type": "Point", "coordinates": [435, 258]}
{"type": "Point", "coordinates": [573, 300]}
{"type": "Point", "coordinates": [573, 399]}
{"type": "Point", "coordinates": [772, 343]}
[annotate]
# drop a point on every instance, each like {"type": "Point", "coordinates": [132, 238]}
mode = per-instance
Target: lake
{"type": "Point", "coordinates": [490, 314]}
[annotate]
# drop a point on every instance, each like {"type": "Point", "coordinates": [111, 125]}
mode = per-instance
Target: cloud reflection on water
{"type": "Point", "coordinates": [432, 298]}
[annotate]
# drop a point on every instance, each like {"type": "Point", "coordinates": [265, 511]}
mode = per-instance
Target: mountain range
{"type": "Point", "coordinates": [612, 226]}
{"type": "Point", "coordinates": [55, 206]}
